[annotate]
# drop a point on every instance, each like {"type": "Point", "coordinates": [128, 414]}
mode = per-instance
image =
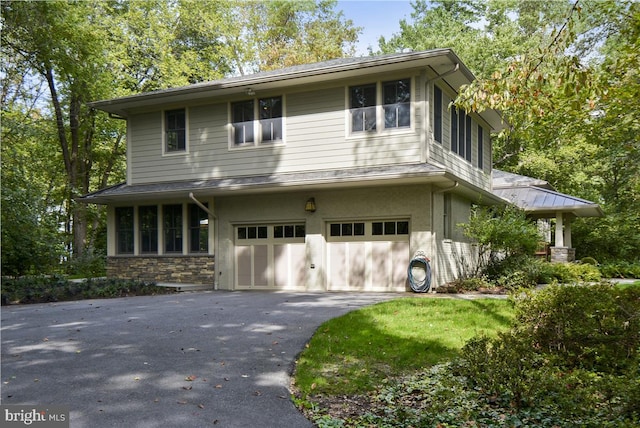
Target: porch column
{"type": "Point", "coordinates": [567, 231]}
{"type": "Point", "coordinates": [559, 230]}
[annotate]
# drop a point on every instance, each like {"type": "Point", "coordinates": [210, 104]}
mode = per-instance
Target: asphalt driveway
{"type": "Point", "coordinates": [188, 360]}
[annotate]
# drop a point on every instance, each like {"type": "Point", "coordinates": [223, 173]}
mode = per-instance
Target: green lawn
{"type": "Point", "coordinates": [354, 353]}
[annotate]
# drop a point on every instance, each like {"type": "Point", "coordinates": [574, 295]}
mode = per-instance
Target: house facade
{"type": "Point", "coordinates": [327, 176]}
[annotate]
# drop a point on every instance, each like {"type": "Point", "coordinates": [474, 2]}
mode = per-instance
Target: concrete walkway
{"type": "Point", "coordinates": [197, 359]}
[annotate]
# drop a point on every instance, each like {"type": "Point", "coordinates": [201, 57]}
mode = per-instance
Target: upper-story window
{"type": "Point", "coordinates": [374, 106]}
{"type": "Point", "coordinates": [247, 131]}
{"type": "Point", "coordinates": [363, 107]}
{"type": "Point", "coordinates": [461, 133]}
{"type": "Point", "coordinates": [396, 98]}
{"type": "Point", "coordinates": [437, 114]}
{"type": "Point", "coordinates": [480, 147]}
{"type": "Point", "coordinates": [175, 130]}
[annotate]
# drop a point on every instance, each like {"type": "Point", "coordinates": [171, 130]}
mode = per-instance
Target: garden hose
{"type": "Point", "coordinates": [419, 273]}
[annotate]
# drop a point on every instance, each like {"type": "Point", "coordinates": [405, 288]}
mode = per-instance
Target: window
{"type": "Point", "coordinates": [242, 122]}
{"type": "Point", "coordinates": [396, 98]}
{"type": "Point", "coordinates": [363, 108]}
{"type": "Point", "coordinates": [289, 231]}
{"type": "Point", "coordinates": [252, 232]}
{"type": "Point", "coordinates": [393, 113]}
{"type": "Point", "coordinates": [480, 147]}
{"type": "Point", "coordinates": [198, 229]}
{"type": "Point", "coordinates": [346, 229]}
{"type": "Point", "coordinates": [437, 114]}
{"type": "Point", "coordinates": [446, 216]}
{"type": "Point", "coordinates": [148, 219]}
{"type": "Point", "coordinates": [390, 228]}
{"type": "Point", "coordinates": [467, 152]}
{"type": "Point", "coordinates": [172, 221]}
{"type": "Point", "coordinates": [124, 230]}
{"type": "Point", "coordinates": [175, 126]}
{"type": "Point", "coordinates": [461, 133]}
{"type": "Point", "coordinates": [268, 128]}
{"type": "Point", "coordinates": [271, 118]}
{"type": "Point", "coordinates": [454, 130]}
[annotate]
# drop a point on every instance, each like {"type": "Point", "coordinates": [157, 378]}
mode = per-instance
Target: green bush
{"type": "Point", "coordinates": [43, 289]}
{"type": "Point", "coordinates": [593, 327]}
{"type": "Point", "coordinates": [620, 270]}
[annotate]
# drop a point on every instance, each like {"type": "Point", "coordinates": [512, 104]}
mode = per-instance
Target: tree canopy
{"type": "Point", "coordinates": [57, 56]}
{"type": "Point", "coordinates": [564, 74]}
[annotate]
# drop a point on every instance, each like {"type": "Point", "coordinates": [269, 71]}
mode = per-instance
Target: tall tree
{"type": "Point", "coordinates": [564, 75]}
{"type": "Point", "coordinates": [84, 51]}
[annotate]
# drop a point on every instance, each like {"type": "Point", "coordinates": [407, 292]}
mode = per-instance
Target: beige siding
{"type": "Point", "coordinates": [442, 154]}
{"type": "Point", "coordinates": [316, 138]}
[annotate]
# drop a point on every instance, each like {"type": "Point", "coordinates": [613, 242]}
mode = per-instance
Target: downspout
{"type": "Point", "coordinates": [216, 243]}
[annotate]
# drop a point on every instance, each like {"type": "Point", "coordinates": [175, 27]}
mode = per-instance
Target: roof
{"type": "Point", "coordinates": [440, 61]}
{"type": "Point", "coordinates": [538, 198]}
{"type": "Point", "coordinates": [420, 173]}
{"type": "Point", "coordinates": [287, 181]}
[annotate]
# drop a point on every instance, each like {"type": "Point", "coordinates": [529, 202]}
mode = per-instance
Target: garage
{"type": "Point", "coordinates": [269, 256]}
{"type": "Point", "coordinates": [367, 255]}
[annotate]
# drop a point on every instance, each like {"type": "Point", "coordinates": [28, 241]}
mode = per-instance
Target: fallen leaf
{"type": "Point", "coordinates": [136, 378]}
{"type": "Point", "coordinates": [313, 386]}
{"type": "Point", "coordinates": [201, 406]}
{"type": "Point", "coordinates": [191, 378]}
{"type": "Point", "coordinates": [182, 402]}
{"type": "Point", "coordinates": [187, 388]}
{"type": "Point", "coordinates": [218, 386]}
{"type": "Point", "coordinates": [257, 393]}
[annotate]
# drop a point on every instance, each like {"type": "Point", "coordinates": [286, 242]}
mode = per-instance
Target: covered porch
{"type": "Point", "coordinates": [554, 211]}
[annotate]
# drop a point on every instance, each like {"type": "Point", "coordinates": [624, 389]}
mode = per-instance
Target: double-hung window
{"type": "Point", "coordinates": [381, 106]}
{"type": "Point", "coordinates": [268, 128]}
{"type": "Point", "coordinates": [363, 108]}
{"type": "Point", "coordinates": [396, 98]}
{"type": "Point", "coordinates": [480, 147]}
{"type": "Point", "coordinates": [175, 130]}
{"type": "Point", "coordinates": [243, 122]}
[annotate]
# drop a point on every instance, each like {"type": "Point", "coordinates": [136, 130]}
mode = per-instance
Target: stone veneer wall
{"type": "Point", "coordinates": [168, 269]}
{"type": "Point", "coordinates": [563, 254]}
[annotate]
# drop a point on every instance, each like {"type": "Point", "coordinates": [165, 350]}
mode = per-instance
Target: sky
{"type": "Point", "coordinates": [376, 17]}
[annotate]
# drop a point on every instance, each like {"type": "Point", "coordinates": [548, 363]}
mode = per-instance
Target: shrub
{"type": "Point", "coordinates": [594, 327]}
{"type": "Point", "coordinates": [589, 261]}
{"type": "Point", "coordinates": [620, 270]}
{"type": "Point", "coordinates": [43, 289]}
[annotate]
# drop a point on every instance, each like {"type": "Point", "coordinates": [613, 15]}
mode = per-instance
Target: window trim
{"type": "Point", "coordinates": [380, 128]}
{"type": "Point", "coordinates": [165, 149]}
{"type": "Point", "coordinates": [480, 146]}
{"type": "Point", "coordinates": [258, 142]}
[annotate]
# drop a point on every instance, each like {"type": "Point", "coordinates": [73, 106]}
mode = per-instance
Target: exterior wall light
{"type": "Point", "coordinates": [310, 206]}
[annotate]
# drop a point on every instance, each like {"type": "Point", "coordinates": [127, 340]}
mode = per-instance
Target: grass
{"type": "Point", "coordinates": [355, 353]}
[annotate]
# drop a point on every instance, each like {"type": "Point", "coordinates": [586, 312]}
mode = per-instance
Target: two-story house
{"type": "Point", "coordinates": [326, 176]}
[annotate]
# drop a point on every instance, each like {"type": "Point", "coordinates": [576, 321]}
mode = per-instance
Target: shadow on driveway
{"type": "Point", "coordinates": [189, 360]}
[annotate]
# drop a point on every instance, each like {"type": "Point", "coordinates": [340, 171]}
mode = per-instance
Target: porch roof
{"type": "Point", "coordinates": [538, 198]}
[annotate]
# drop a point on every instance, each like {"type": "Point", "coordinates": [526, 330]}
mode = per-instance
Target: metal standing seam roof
{"type": "Point", "coordinates": [539, 198]}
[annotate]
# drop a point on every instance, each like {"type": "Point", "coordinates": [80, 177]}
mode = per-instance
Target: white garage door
{"type": "Point", "coordinates": [368, 255]}
{"type": "Point", "coordinates": [269, 256]}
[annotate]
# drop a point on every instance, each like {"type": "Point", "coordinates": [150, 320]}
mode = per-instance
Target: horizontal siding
{"type": "Point", "coordinates": [315, 139]}
{"type": "Point", "coordinates": [442, 154]}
